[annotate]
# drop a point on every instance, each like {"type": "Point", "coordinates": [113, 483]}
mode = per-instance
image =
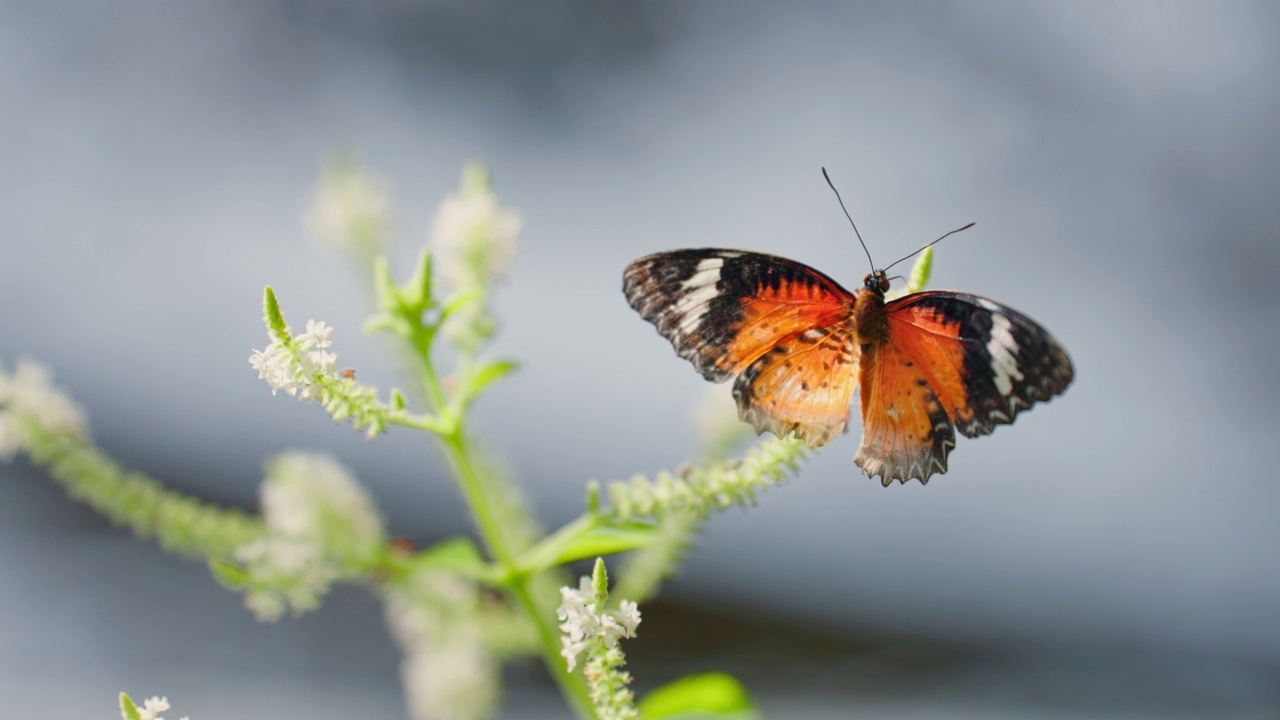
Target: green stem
{"type": "Point", "coordinates": [573, 687]}
{"type": "Point", "coordinates": [450, 432]}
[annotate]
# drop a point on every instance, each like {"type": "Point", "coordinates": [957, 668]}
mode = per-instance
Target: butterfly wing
{"type": "Point", "coordinates": [782, 327]}
{"type": "Point", "coordinates": [803, 385]}
{"type": "Point", "coordinates": [906, 431]}
{"type": "Point", "coordinates": [956, 357]}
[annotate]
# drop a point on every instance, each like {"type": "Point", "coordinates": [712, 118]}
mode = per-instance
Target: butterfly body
{"type": "Point", "coordinates": [796, 344]}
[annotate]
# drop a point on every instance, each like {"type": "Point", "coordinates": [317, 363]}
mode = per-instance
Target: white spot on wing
{"type": "Point", "coordinates": [1002, 348]}
{"type": "Point", "coordinates": [693, 305]}
{"type": "Point", "coordinates": [707, 273]}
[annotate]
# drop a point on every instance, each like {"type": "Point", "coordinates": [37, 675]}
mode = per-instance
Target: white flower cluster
{"type": "Point", "coordinates": [447, 672]}
{"type": "Point", "coordinates": [473, 236]}
{"type": "Point", "coordinates": [587, 623]}
{"type": "Point", "coordinates": [313, 496]}
{"type": "Point", "coordinates": [29, 394]}
{"type": "Point", "coordinates": [153, 706]}
{"type": "Point", "coordinates": [349, 208]}
{"type": "Point", "coordinates": [473, 240]}
{"type": "Point", "coordinates": [592, 630]}
{"type": "Point", "coordinates": [715, 487]}
{"type": "Point", "coordinates": [296, 366]}
{"type": "Point", "coordinates": [303, 367]}
{"type": "Point", "coordinates": [321, 524]}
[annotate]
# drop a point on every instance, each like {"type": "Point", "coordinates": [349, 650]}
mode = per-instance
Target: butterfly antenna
{"type": "Point", "coordinates": [851, 222]}
{"type": "Point", "coordinates": [935, 242]}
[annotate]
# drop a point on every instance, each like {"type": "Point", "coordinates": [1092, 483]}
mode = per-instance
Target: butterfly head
{"type": "Point", "coordinates": [877, 282]}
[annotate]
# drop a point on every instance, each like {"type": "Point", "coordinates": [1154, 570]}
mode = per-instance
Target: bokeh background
{"type": "Point", "coordinates": [1112, 555]}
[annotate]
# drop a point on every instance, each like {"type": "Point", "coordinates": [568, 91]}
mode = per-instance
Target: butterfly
{"type": "Point", "coordinates": [796, 344]}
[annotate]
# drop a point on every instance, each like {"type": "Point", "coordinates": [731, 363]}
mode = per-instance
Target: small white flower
{"type": "Point", "coordinates": [629, 616]}
{"type": "Point", "coordinates": [591, 630]}
{"type": "Point", "coordinates": [571, 651]}
{"type": "Point", "coordinates": [317, 335]}
{"type": "Point", "coordinates": [30, 393]}
{"type": "Point", "coordinates": [285, 573]}
{"type": "Point", "coordinates": [276, 366]}
{"type": "Point", "coordinates": [323, 362]}
{"type": "Point", "coordinates": [447, 673]}
{"type": "Point", "coordinates": [473, 236]}
{"type": "Point", "coordinates": [152, 707]}
{"type": "Point", "coordinates": [454, 681]}
{"type": "Point", "coordinates": [314, 497]}
{"type": "Point", "coordinates": [585, 623]}
{"type": "Point", "coordinates": [303, 368]}
{"type": "Point", "coordinates": [349, 208]}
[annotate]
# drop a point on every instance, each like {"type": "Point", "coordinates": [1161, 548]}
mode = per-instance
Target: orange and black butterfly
{"type": "Point", "coordinates": [926, 364]}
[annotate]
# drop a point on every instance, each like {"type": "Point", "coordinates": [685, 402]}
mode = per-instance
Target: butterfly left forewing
{"type": "Point", "coordinates": [723, 309]}
{"type": "Point", "coordinates": [781, 327]}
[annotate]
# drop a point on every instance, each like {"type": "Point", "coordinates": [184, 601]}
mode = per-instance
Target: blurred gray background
{"type": "Point", "coordinates": [1111, 555]}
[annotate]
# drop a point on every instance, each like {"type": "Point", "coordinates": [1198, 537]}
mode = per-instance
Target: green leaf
{"type": "Point", "coordinates": [584, 538]}
{"type": "Point", "coordinates": [709, 695]}
{"type": "Point", "coordinates": [272, 316]}
{"type": "Point", "coordinates": [458, 302]}
{"type": "Point", "coordinates": [394, 324]}
{"type": "Point", "coordinates": [475, 381]}
{"type": "Point", "coordinates": [920, 271]}
{"type": "Point", "coordinates": [385, 291]}
{"type": "Point", "coordinates": [128, 710]}
{"type": "Point", "coordinates": [229, 575]}
{"type": "Point", "coordinates": [457, 555]}
{"type": "Point", "coordinates": [417, 292]}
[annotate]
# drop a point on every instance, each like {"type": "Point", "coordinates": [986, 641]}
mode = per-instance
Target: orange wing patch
{"type": "Point", "coordinates": [777, 314]}
{"type": "Point", "coordinates": [801, 385]}
{"type": "Point", "coordinates": [932, 341]}
{"type": "Point", "coordinates": [906, 433]}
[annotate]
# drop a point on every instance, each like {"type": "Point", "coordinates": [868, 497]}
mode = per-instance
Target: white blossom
{"type": "Point", "coordinates": [585, 622]}
{"type": "Point", "coordinates": [473, 236]}
{"type": "Point", "coordinates": [629, 615]}
{"type": "Point", "coordinates": [276, 366]}
{"type": "Point", "coordinates": [349, 208]}
{"type": "Point", "coordinates": [312, 496]}
{"type": "Point", "coordinates": [592, 630]}
{"type": "Point", "coordinates": [304, 368]}
{"type": "Point", "coordinates": [152, 707]}
{"type": "Point", "coordinates": [284, 573]}
{"type": "Point", "coordinates": [321, 524]}
{"type": "Point", "coordinates": [29, 394]}
{"type": "Point", "coordinates": [447, 672]}
{"type": "Point", "coordinates": [454, 681]}
{"type": "Point", "coordinates": [317, 335]}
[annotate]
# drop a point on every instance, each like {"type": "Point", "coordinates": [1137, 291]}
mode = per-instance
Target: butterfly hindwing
{"type": "Point", "coordinates": [803, 385]}
{"type": "Point", "coordinates": [985, 361]}
{"type": "Point", "coordinates": [780, 326]}
{"type": "Point", "coordinates": [906, 430]}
